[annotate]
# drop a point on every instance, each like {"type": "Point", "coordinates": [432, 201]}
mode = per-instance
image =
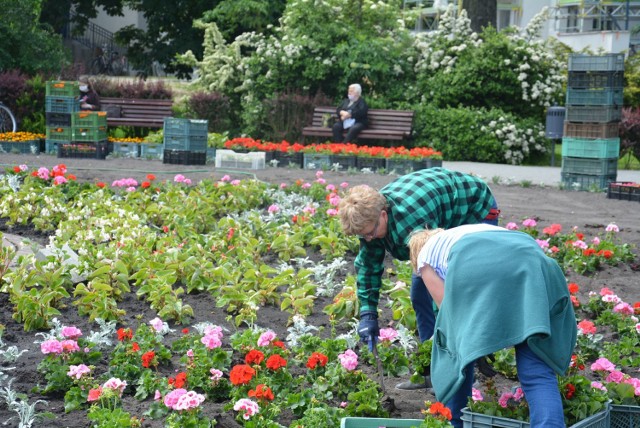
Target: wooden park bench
{"type": "Point", "coordinates": [141, 113]}
{"type": "Point", "coordinates": [383, 124]}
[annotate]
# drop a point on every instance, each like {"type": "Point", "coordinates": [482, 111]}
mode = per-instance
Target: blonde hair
{"type": "Point", "coordinates": [418, 240]}
{"type": "Point", "coordinates": [360, 208]}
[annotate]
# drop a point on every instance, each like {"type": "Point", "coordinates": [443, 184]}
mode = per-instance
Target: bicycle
{"type": "Point", "coordinates": [7, 119]}
{"type": "Point", "coordinates": [108, 62]}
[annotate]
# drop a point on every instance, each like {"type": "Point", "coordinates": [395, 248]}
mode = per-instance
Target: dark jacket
{"type": "Point", "coordinates": [91, 98]}
{"type": "Point", "coordinates": [358, 110]}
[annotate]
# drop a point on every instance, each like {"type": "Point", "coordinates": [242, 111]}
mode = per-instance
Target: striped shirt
{"type": "Point", "coordinates": [436, 251]}
{"type": "Point", "coordinates": [429, 198]}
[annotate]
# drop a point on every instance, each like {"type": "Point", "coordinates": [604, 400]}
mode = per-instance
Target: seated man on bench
{"type": "Point", "coordinates": [353, 116]}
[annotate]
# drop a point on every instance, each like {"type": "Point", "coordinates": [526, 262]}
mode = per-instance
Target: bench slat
{"type": "Point", "coordinates": [139, 112]}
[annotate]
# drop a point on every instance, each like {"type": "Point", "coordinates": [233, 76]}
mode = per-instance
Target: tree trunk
{"type": "Point", "coordinates": [482, 13]}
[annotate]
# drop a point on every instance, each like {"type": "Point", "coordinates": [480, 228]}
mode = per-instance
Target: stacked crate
{"type": "Point", "coordinates": [88, 136]}
{"type": "Point", "coordinates": [591, 143]}
{"type": "Point", "coordinates": [185, 141]}
{"type": "Point", "coordinates": [60, 103]}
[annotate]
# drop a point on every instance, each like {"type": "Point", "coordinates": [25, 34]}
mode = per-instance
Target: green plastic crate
{"type": "Point", "coordinates": [286, 160]}
{"type": "Point", "coordinates": [607, 62]}
{"type": "Point", "coordinates": [59, 133]}
{"type": "Point", "coordinates": [584, 182]}
{"type": "Point", "coordinates": [590, 166]}
{"type": "Point", "coordinates": [353, 422]}
{"type": "Point", "coordinates": [372, 163]}
{"type": "Point", "coordinates": [89, 133]}
{"type": "Point", "coordinates": [51, 146]}
{"type": "Point", "coordinates": [89, 118]}
{"type": "Point", "coordinates": [581, 148]}
{"type": "Point", "coordinates": [61, 88]}
{"type": "Point", "coordinates": [186, 127]}
{"type": "Point", "coordinates": [26, 147]}
{"type": "Point", "coordinates": [345, 161]}
{"type": "Point", "coordinates": [595, 79]}
{"type": "Point", "coordinates": [625, 416]}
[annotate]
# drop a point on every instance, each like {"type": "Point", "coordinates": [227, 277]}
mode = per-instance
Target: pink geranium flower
{"type": "Point", "coordinates": [247, 406]}
{"type": "Point", "coordinates": [71, 332]}
{"type": "Point", "coordinates": [387, 335]}
{"type": "Point", "coordinates": [52, 346]}
{"type": "Point", "coordinates": [349, 360]}
{"type": "Point", "coordinates": [266, 338]}
{"type": "Point", "coordinates": [603, 364]}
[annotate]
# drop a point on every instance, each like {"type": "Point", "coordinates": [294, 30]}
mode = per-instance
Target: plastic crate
{"type": "Point", "coordinates": [402, 166]}
{"type": "Point", "coordinates": [603, 96]}
{"type": "Point", "coordinates": [58, 119]}
{"type": "Point", "coordinates": [61, 88]}
{"type": "Point", "coordinates": [288, 160]}
{"type": "Point", "coordinates": [591, 130]}
{"type": "Point", "coordinates": [127, 150]}
{"type": "Point", "coordinates": [373, 164]}
{"type": "Point", "coordinates": [89, 118]}
{"type": "Point", "coordinates": [597, 114]}
{"type": "Point", "coordinates": [580, 148]}
{"type": "Point", "coordinates": [345, 161]}
{"type": "Point", "coordinates": [607, 62]}
{"type": "Point", "coordinates": [59, 133]}
{"type": "Point", "coordinates": [185, 142]}
{"type": "Point", "coordinates": [61, 104]}
{"type": "Point", "coordinates": [89, 133]}
{"type": "Point", "coordinates": [478, 420]}
{"type": "Point", "coordinates": [592, 80]}
{"type": "Point", "coordinates": [316, 161]}
{"type": "Point", "coordinates": [624, 416]}
{"type": "Point", "coordinates": [83, 150]}
{"type": "Point", "coordinates": [626, 191]}
{"type": "Point", "coordinates": [51, 146]}
{"type": "Point", "coordinates": [151, 151]}
{"type": "Point", "coordinates": [590, 166]}
{"type": "Point", "coordinates": [28, 147]}
{"type": "Point", "coordinates": [584, 182]}
{"type": "Point", "coordinates": [184, 157]}
{"type": "Point", "coordinates": [211, 154]}
{"type": "Point", "coordinates": [231, 159]}
{"type": "Point", "coordinates": [353, 422]}
{"type": "Point", "coordinates": [181, 126]}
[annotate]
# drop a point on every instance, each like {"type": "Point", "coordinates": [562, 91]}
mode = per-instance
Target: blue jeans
{"type": "Point", "coordinates": [538, 382]}
{"type": "Point", "coordinates": [423, 303]}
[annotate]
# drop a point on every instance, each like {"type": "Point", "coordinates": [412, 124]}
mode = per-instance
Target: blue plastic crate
{"type": "Point", "coordinates": [192, 143]}
{"type": "Point", "coordinates": [127, 150]}
{"type": "Point", "coordinates": [478, 420]}
{"type": "Point", "coordinates": [607, 62]}
{"type": "Point", "coordinates": [25, 147]}
{"type": "Point", "coordinates": [598, 114]}
{"type": "Point", "coordinates": [582, 148]}
{"type": "Point", "coordinates": [586, 97]}
{"type": "Point", "coordinates": [372, 163]}
{"type": "Point", "coordinates": [625, 416]}
{"type": "Point", "coordinates": [61, 104]}
{"type": "Point", "coordinates": [595, 79]}
{"type": "Point", "coordinates": [316, 161]}
{"type": "Point", "coordinates": [151, 151]}
{"type": "Point", "coordinates": [585, 182]}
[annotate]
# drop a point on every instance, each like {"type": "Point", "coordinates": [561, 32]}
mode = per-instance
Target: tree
{"type": "Point", "coordinates": [234, 17]}
{"type": "Point", "coordinates": [483, 13]}
{"type": "Point", "coordinates": [27, 44]}
{"type": "Point", "coordinates": [57, 13]}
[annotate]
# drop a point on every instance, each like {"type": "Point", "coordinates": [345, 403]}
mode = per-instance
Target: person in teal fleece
{"type": "Point", "coordinates": [495, 288]}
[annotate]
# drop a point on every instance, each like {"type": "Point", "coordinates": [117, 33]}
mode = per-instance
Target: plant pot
{"type": "Point", "coordinates": [286, 159]}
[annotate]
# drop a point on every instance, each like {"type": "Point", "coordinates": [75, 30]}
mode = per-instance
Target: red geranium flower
{"type": "Point", "coordinates": [145, 185]}
{"type": "Point", "coordinates": [135, 347]}
{"type": "Point", "coordinates": [241, 374]}
{"type": "Point", "coordinates": [151, 177]}
{"type": "Point", "coordinates": [275, 362]}
{"type": "Point", "coordinates": [278, 343]}
{"type": "Point", "coordinates": [569, 391]}
{"type": "Point", "coordinates": [149, 359]}
{"type": "Point", "coordinates": [573, 288]}
{"type": "Point", "coordinates": [254, 357]}
{"type": "Point", "coordinates": [185, 331]}
{"type": "Point", "coordinates": [439, 409]}
{"type": "Point", "coordinates": [100, 184]}
{"type": "Point", "coordinates": [124, 334]}
{"type": "Point", "coordinates": [262, 392]}
{"type": "Point", "coordinates": [16, 169]}
{"type": "Point", "coordinates": [178, 381]}
{"type": "Point", "coordinates": [317, 359]}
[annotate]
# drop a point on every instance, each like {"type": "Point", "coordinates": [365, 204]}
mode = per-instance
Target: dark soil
{"type": "Point", "coordinates": [589, 212]}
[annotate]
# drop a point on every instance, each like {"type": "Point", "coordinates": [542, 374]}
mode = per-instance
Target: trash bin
{"type": "Point", "coordinates": [555, 128]}
{"type": "Point", "coordinates": [555, 122]}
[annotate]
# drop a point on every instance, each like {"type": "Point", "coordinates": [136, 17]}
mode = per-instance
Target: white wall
{"type": "Point", "coordinates": [114, 23]}
{"type": "Point", "coordinates": [610, 41]}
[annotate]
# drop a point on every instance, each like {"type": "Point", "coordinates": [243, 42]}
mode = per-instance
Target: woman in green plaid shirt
{"type": "Point", "coordinates": [384, 220]}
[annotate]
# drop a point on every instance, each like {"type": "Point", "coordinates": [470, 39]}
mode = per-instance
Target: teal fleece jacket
{"type": "Point", "coordinates": [500, 290]}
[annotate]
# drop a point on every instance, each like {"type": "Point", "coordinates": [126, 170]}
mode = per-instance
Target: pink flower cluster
{"type": "Point", "coordinates": [212, 337]}
{"type": "Point", "coordinates": [249, 407]}
{"type": "Point", "coordinates": [266, 338]}
{"type": "Point", "coordinates": [613, 375]}
{"type": "Point", "coordinates": [125, 182]}
{"type": "Point", "coordinates": [387, 335]}
{"type": "Point", "coordinates": [503, 401]}
{"type": "Point", "coordinates": [71, 332]}
{"type": "Point", "coordinates": [158, 325]}
{"type": "Point", "coordinates": [78, 371]}
{"type": "Point", "coordinates": [179, 178]}
{"type": "Point", "coordinates": [57, 347]}
{"type": "Point", "coordinates": [586, 327]}
{"type": "Point", "coordinates": [349, 360]}
{"type": "Point", "coordinates": [181, 399]}
{"type": "Point", "coordinates": [115, 385]}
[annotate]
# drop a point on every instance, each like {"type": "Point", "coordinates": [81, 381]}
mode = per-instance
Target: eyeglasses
{"type": "Point", "coordinates": [372, 234]}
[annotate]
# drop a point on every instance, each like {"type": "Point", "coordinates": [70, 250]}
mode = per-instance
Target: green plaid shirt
{"type": "Point", "coordinates": [429, 198]}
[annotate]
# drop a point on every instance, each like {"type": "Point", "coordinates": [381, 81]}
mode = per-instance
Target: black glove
{"type": "Point", "coordinates": [485, 367]}
{"type": "Point", "coordinates": [368, 327]}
